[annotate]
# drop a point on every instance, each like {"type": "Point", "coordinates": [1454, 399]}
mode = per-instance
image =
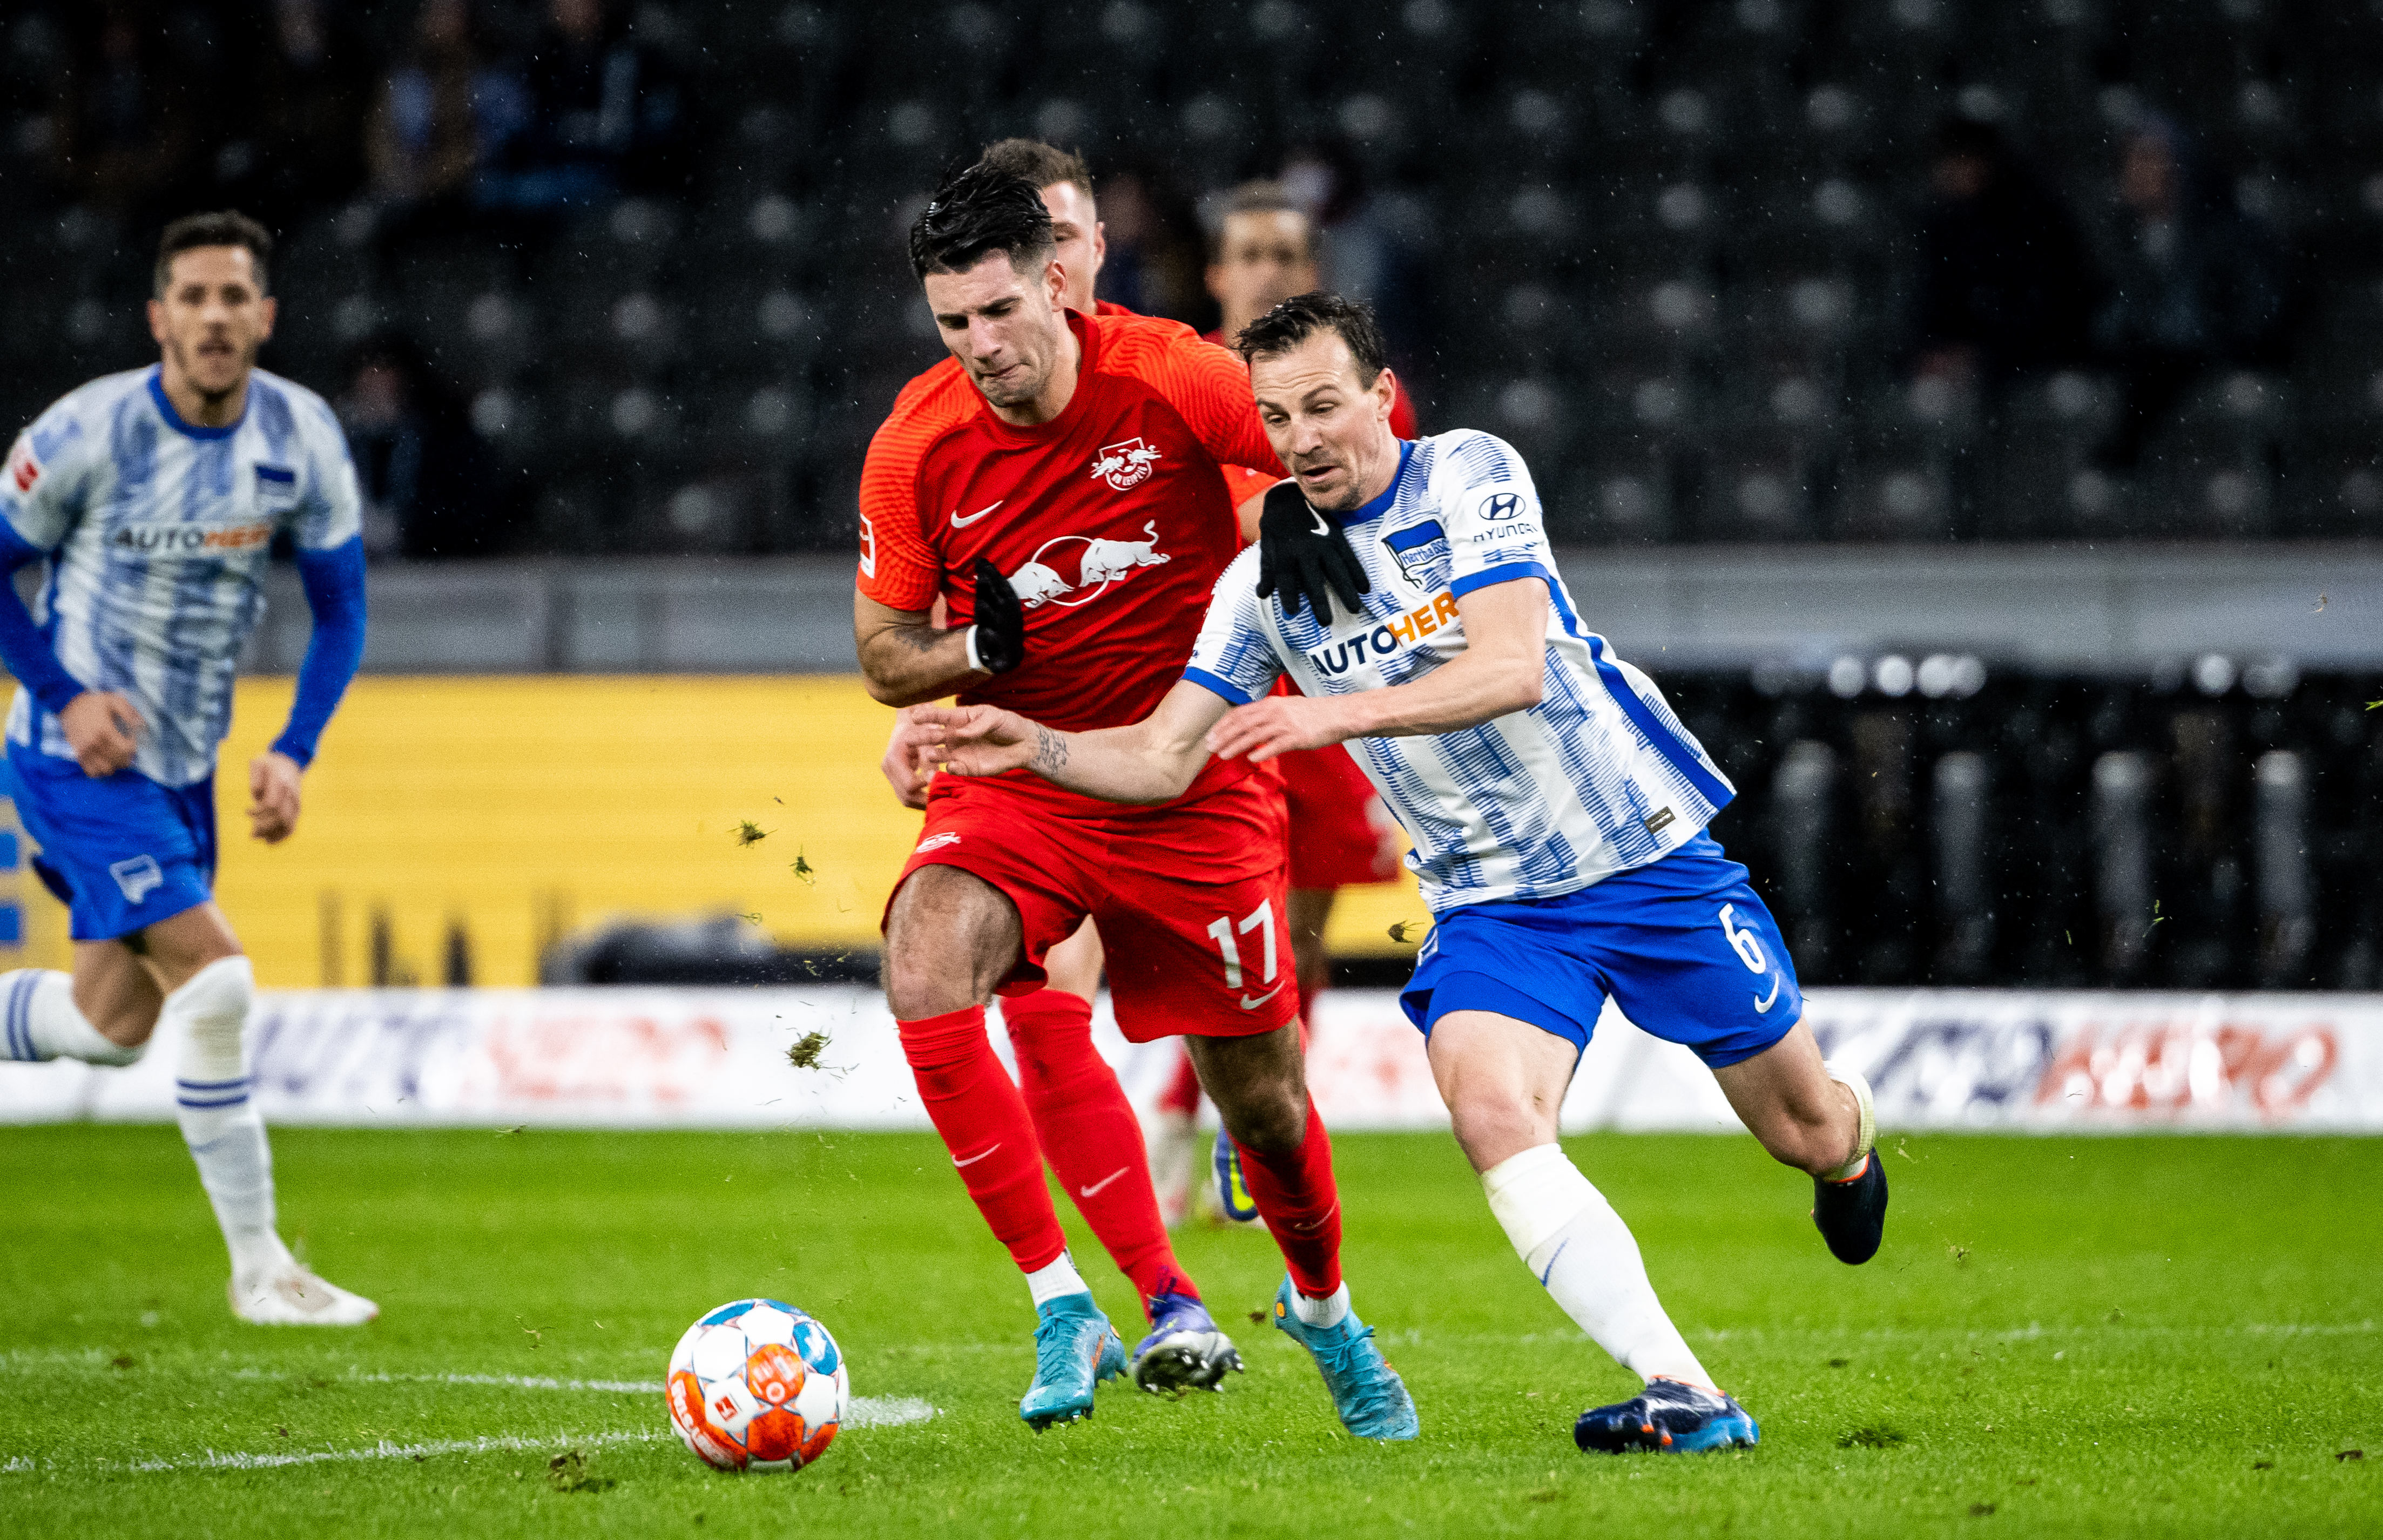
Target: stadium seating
{"type": "Point", "coordinates": [1664, 248]}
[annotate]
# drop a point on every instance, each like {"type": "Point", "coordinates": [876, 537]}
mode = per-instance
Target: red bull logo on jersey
{"type": "Point", "coordinates": [188, 539]}
{"type": "Point", "coordinates": [1125, 466]}
{"type": "Point", "coordinates": [1395, 635]}
{"type": "Point", "coordinates": [1097, 563]}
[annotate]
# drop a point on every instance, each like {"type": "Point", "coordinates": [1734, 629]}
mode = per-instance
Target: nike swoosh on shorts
{"type": "Point", "coordinates": [958, 522]}
{"type": "Point", "coordinates": [1249, 1005]}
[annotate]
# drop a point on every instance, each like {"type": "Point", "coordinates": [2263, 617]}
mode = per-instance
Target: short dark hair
{"type": "Point", "coordinates": [1043, 165]}
{"type": "Point", "coordinates": [224, 228]}
{"type": "Point", "coordinates": [1259, 197]}
{"type": "Point", "coordinates": [1298, 318]}
{"type": "Point", "coordinates": [977, 211]}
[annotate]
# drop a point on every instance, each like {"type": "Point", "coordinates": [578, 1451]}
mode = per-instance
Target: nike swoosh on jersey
{"type": "Point", "coordinates": [1249, 1005]}
{"type": "Point", "coordinates": [958, 522]}
{"type": "Point", "coordinates": [1763, 1002]}
{"type": "Point", "coordinates": [974, 1159]}
{"type": "Point", "coordinates": [1103, 1181]}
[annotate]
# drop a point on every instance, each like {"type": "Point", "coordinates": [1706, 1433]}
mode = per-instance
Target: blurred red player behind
{"type": "Point", "coordinates": [1264, 251]}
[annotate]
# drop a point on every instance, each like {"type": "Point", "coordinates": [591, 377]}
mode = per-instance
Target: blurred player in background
{"type": "Point", "coordinates": [1264, 251]}
{"type": "Point", "coordinates": [155, 495]}
{"type": "Point", "coordinates": [1559, 810]}
{"type": "Point", "coordinates": [1072, 522]}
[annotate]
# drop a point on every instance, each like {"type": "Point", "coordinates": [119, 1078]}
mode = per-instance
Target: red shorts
{"type": "Point", "coordinates": [1334, 841]}
{"type": "Point", "coordinates": [1189, 898]}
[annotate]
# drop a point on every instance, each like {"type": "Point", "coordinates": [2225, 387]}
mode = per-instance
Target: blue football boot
{"type": "Point", "coordinates": [1233, 1199]}
{"type": "Point", "coordinates": [1668, 1417]}
{"type": "Point", "coordinates": [1184, 1350]}
{"type": "Point", "coordinates": [1851, 1213]}
{"type": "Point", "coordinates": [1367, 1393]}
{"type": "Point", "coordinates": [1075, 1349]}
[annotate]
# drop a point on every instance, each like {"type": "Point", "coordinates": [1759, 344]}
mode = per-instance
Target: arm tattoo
{"type": "Point", "coordinates": [1050, 750]}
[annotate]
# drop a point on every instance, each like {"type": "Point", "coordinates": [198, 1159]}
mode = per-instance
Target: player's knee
{"type": "Point", "coordinates": [1491, 1125]}
{"type": "Point", "coordinates": [1272, 1125]}
{"type": "Point", "coordinates": [214, 1004]}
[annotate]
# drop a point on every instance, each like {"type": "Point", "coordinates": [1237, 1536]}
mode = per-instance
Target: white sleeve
{"type": "Point", "coordinates": [1495, 531]}
{"type": "Point", "coordinates": [48, 472]}
{"type": "Point", "coordinates": [1234, 655]}
{"type": "Point", "coordinates": [331, 506]}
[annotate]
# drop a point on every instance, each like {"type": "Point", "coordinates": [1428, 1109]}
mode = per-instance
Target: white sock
{"type": "Point", "coordinates": [1575, 1245]}
{"type": "Point", "coordinates": [1326, 1311]}
{"type": "Point", "coordinates": [219, 1122]}
{"type": "Point", "coordinates": [1047, 1284]}
{"type": "Point", "coordinates": [38, 1021]}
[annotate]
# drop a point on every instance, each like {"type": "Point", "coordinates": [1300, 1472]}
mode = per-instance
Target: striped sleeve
{"type": "Point", "coordinates": [898, 569]}
{"type": "Point", "coordinates": [1234, 656]}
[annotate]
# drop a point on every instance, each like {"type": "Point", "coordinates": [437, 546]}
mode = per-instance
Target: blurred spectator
{"type": "Point", "coordinates": [1152, 262]}
{"type": "Point", "coordinates": [603, 115]}
{"type": "Point", "coordinates": [307, 89]}
{"type": "Point", "coordinates": [1365, 255]}
{"type": "Point", "coordinates": [439, 114]}
{"type": "Point", "coordinates": [127, 134]}
{"type": "Point", "coordinates": [2005, 284]}
{"type": "Point", "coordinates": [2198, 285]}
{"type": "Point", "coordinates": [429, 490]}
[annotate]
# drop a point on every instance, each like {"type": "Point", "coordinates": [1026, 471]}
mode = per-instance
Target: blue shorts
{"type": "Point", "coordinates": [122, 852]}
{"type": "Point", "coordinates": [1684, 947]}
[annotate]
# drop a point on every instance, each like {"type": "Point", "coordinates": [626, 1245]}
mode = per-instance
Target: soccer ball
{"type": "Point", "coordinates": [758, 1385]}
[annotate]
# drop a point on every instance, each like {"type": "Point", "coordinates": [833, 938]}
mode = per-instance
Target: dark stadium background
{"type": "Point", "coordinates": [621, 288]}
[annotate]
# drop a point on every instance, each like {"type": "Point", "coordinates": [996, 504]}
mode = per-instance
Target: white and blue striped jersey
{"type": "Point", "coordinates": [1599, 778]}
{"type": "Point", "coordinates": [157, 535]}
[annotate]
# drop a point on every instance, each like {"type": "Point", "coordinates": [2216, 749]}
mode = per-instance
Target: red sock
{"type": "Point", "coordinates": [1182, 1093]}
{"type": "Point", "coordinates": [984, 1125]}
{"type": "Point", "coordinates": [1089, 1135]}
{"type": "Point", "coordinates": [1300, 1204]}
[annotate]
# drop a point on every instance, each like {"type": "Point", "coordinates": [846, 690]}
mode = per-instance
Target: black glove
{"type": "Point", "coordinates": [1000, 621]}
{"type": "Point", "coordinates": [1305, 552]}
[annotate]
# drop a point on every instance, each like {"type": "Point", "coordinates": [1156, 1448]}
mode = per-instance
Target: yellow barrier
{"type": "Point", "coordinates": [505, 811]}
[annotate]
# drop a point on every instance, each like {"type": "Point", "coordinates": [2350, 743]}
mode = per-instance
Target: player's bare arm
{"type": "Point", "coordinates": [905, 658]}
{"type": "Point", "coordinates": [1502, 669]}
{"type": "Point", "coordinates": [1151, 762]}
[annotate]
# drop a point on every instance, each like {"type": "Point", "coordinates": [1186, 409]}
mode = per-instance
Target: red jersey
{"type": "Point", "coordinates": [1111, 521]}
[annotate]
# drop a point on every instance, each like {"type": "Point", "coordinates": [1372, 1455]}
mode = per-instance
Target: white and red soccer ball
{"type": "Point", "coordinates": [758, 1385]}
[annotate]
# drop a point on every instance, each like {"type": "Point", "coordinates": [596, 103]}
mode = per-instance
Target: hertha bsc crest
{"type": "Point", "coordinates": [1126, 465]}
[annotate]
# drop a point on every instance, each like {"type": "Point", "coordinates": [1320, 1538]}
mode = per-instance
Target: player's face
{"type": "Point", "coordinates": [1263, 258]}
{"type": "Point", "coordinates": [213, 318]}
{"type": "Point", "coordinates": [1076, 224]}
{"type": "Point", "coordinates": [1002, 324]}
{"type": "Point", "coordinates": [1332, 434]}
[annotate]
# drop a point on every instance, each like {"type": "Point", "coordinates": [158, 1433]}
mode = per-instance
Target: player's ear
{"type": "Point", "coordinates": [1100, 245]}
{"type": "Point", "coordinates": [157, 321]}
{"type": "Point", "coordinates": [268, 310]}
{"type": "Point", "coordinates": [1385, 391]}
{"type": "Point", "coordinates": [1054, 284]}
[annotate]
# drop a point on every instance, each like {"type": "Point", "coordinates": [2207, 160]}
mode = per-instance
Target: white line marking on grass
{"type": "Point", "coordinates": [865, 1411]}
{"type": "Point", "coordinates": [211, 1460]}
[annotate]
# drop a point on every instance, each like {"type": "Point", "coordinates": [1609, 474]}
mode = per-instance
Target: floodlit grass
{"type": "Point", "coordinates": [2090, 1337]}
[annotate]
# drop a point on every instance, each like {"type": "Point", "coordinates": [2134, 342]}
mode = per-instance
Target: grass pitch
{"type": "Point", "coordinates": [2090, 1337]}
